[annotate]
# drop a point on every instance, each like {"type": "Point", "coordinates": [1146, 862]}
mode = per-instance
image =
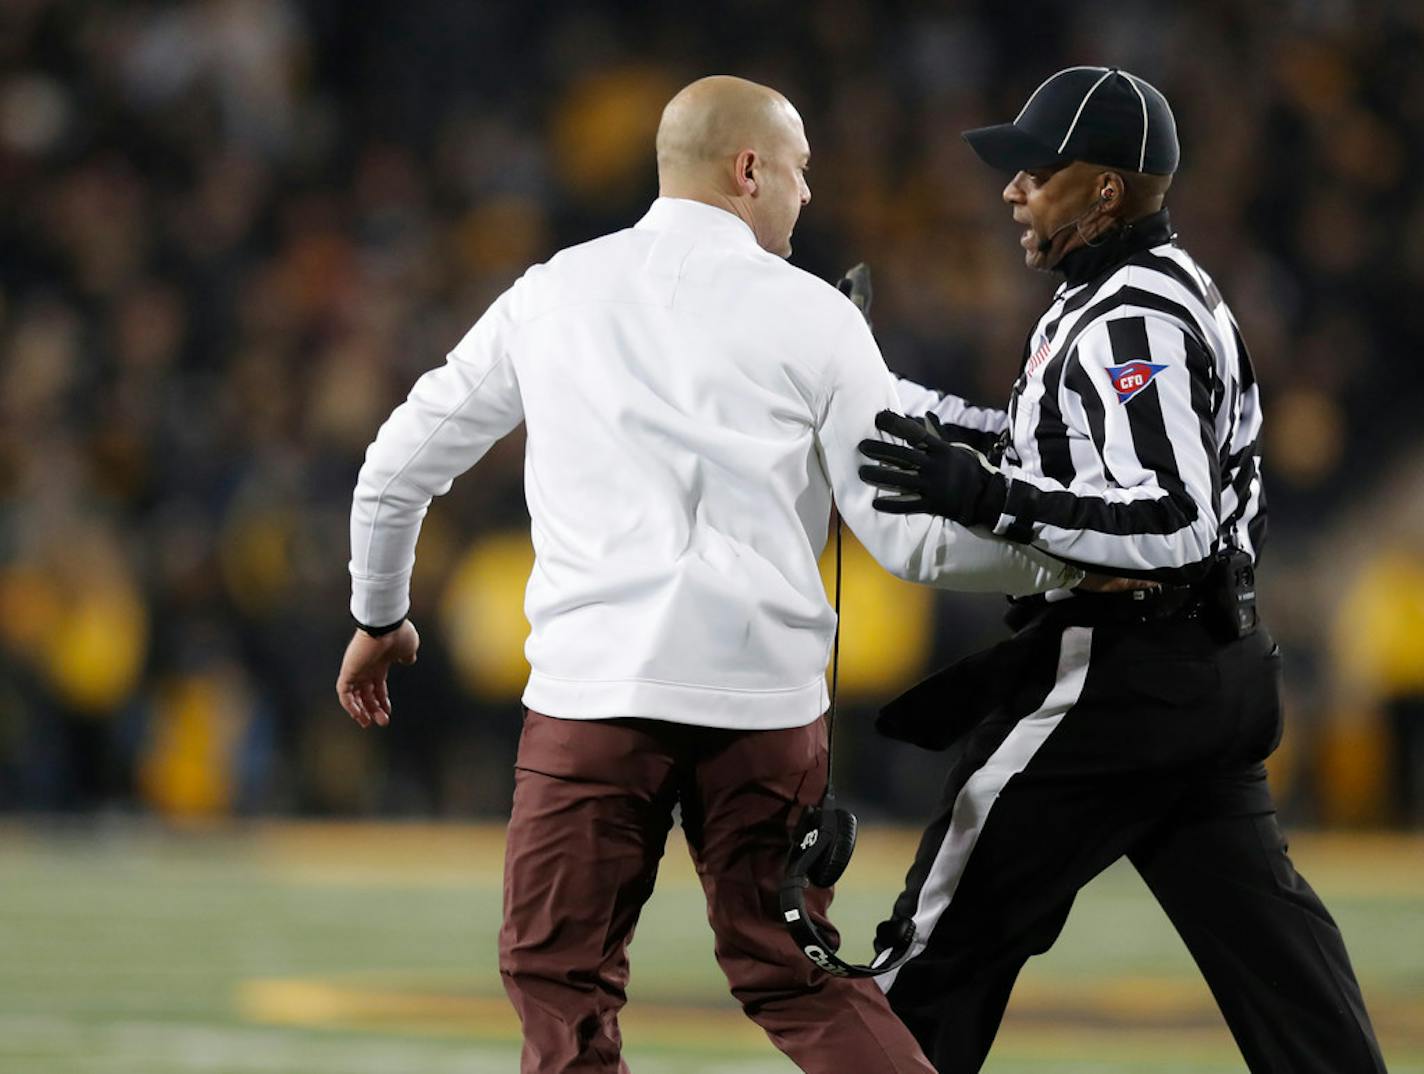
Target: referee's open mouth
{"type": "Point", "coordinates": [1029, 239]}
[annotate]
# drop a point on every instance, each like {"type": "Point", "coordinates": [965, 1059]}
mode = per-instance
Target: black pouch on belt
{"type": "Point", "coordinates": [1229, 595]}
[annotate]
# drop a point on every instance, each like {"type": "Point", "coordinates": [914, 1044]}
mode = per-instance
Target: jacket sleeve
{"type": "Point", "coordinates": [451, 418]}
{"type": "Point", "coordinates": [1129, 479]}
{"type": "Point", "coordinates": [916, 399]}
{"type": "Point", "coordinates": [918, 548]}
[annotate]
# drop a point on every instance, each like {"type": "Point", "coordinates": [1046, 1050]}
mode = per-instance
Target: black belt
{"type": "Point", "coordinates": [1092, 609]}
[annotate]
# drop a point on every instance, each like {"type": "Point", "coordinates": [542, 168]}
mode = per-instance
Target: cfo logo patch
{"type": "Point", "coordinates": [1128, 380]}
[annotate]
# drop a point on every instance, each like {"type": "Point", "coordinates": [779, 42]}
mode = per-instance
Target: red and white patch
{"type": "Point", "coordinates": [1128, 380]}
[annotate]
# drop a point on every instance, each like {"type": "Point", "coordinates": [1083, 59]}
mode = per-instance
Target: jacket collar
{"type": "Point", "coordinates": [1089, 262]}
{"type": "Point", "coordinates": [695, 217]}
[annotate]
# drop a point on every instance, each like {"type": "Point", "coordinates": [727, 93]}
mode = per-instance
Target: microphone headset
{"type": "Point", "coordinates": [1104, 200]}
{"type": "Point", "coordinates": [820, 851]}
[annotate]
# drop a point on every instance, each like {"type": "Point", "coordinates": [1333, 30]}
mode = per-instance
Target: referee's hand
{"type": "Point", "coordinates": [361, 686]}
{"type": "Point", "coordinates": [929, 475]}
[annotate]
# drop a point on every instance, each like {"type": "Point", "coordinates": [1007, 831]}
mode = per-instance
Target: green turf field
{"type": "Point", "coordinates": [370, 950]}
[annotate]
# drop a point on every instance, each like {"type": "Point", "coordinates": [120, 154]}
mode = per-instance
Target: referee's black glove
{"type": "Point", "coordinates": [932, 475]}
{"type": "Point", "coordinates": [981, 440]}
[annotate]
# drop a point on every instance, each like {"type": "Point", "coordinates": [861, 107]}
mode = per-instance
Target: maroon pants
{"type": "Point", "coordinates": [593, 803]}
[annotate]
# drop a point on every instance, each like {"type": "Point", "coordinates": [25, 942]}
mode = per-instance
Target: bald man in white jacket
{"type": "Point", "coordinates": [693, 405]}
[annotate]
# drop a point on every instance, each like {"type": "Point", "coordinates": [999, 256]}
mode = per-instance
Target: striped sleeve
{"type": "Point", "coordinates": [1243, 495]}
{"type": "Point", "coordinates": [923, 548]}
{"type": "Point", "coordinates": [916, 400]}
{"type": "Point", "coordinates": [1136, 488]}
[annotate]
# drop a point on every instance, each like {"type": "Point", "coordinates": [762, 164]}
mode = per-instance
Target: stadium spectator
{"type": "Point", "coordinates": [233, 232]}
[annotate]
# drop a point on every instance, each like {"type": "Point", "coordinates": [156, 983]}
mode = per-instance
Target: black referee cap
{"type": "Point", "coordinates": [1096, 114]}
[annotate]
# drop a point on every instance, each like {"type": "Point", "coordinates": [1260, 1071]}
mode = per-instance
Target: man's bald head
{"type": "Point", "coordinates": [715, 118]}
{"type": "Point", "coordinates": [740, 146]}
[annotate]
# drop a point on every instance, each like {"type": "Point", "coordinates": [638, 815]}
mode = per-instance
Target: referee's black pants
{"type": "Point", "coordinates": [1078, 741]}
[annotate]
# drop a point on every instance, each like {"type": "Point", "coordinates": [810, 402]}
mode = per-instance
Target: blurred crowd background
{"type": "Point", "coordinates": [233, 233]}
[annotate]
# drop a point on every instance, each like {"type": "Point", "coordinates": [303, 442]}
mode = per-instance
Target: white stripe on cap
{"type": "Point", "coordinates": [1142, 156]}
{"type": "Point", "coordinates": [1046, 81]}
{"type": "Point", "coordinates": [1081, 105]}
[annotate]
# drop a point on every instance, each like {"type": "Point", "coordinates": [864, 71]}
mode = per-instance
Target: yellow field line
{"type": "Point", "coordinates": [1363, 864]}
{"type": "Point", "coordinates": [1346, 863]}
{"type": "Point", "coordinates": [315, 1003]}
{"type": "Point", "coordinates": [1147, 1005]}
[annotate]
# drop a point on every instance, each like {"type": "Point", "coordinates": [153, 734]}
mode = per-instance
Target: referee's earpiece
{"type": "Point", "coordinates": [1110, 188]}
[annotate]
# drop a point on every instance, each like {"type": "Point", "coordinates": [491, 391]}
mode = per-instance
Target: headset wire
{"type": "Point", "coordinates": [835, 663]}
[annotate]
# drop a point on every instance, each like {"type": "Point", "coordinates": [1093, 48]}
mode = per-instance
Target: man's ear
{"type": "Point", "coordinates": [1112, 193]}
{"type": "Point", "coordinates": [743, 172]}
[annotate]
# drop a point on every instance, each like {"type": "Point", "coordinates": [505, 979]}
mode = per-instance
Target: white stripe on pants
{"type": "Point", "coordinates": [976, 798]}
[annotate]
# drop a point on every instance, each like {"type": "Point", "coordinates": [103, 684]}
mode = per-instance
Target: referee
{"type": "Point", "coordinates": [1133, 719]}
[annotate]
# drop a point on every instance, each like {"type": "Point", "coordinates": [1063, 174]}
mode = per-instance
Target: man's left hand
{"type": "Point", "coordinates": [932, 475]}
{"type": "Point", "coordinates": [361, 685]}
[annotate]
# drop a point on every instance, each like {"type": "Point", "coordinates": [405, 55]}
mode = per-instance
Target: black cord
{"type": "Point", "coordinates": [835, 661]}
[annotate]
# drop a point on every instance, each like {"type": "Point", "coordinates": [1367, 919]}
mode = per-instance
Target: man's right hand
{"type": "Point", "coordinates": [361, 685]}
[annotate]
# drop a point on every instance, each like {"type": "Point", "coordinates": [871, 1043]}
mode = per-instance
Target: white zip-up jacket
{"type": "Point", "coordinates": [691, 402]}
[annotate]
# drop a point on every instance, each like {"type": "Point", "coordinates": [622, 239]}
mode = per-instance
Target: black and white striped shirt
{"type": "Point", "coordinates": [1132, 438]}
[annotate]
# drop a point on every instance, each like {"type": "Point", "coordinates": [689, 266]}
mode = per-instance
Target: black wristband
{"type": "Point", "coordinates": [377, 631]}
